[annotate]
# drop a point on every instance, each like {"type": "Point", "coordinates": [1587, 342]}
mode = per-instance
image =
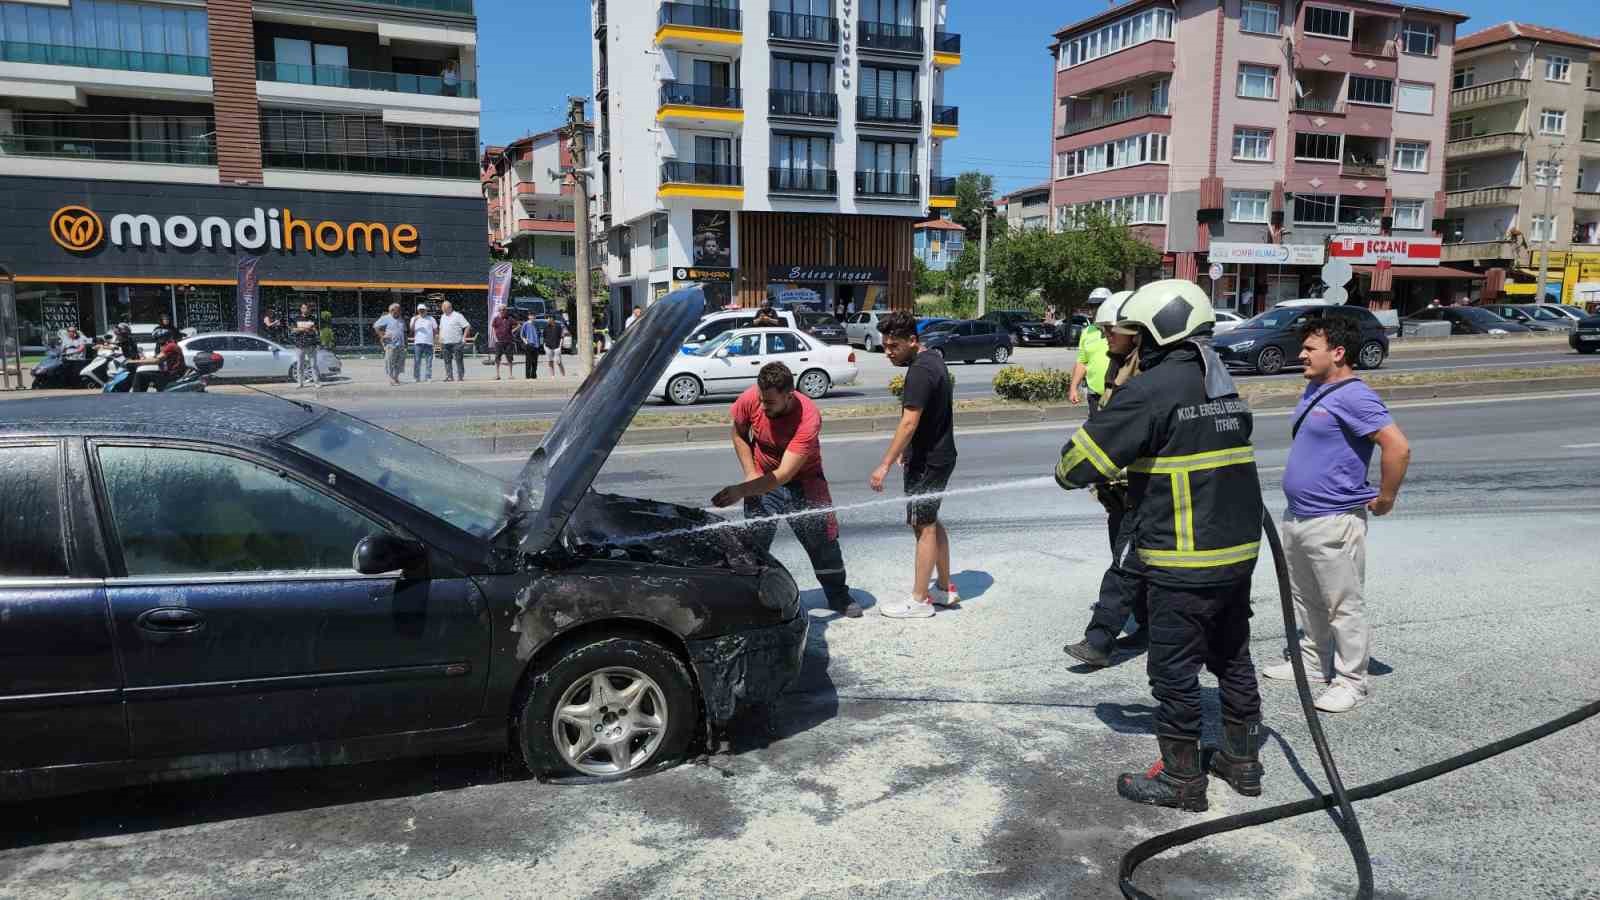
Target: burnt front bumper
{"type": "Point", "coordinates": [749, 668]}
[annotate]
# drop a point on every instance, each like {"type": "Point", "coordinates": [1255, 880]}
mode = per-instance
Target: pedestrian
{"type": "Point", "coordinates": [1337, 422]}
{"type": "Point", "coordinates": [925, 446]}
{"type": "Point", "coordinates": [553, 330]}
{"type": "Point", "coordinates": [304, 335]}
{"type": "Point", "coordinates": [454, 332]}
{"type": "Point", "coordinates": [1182, 433]}
{"type": "Point", "coordinates": [504, 332]}
{"type": "Point", "coordinates": [637, 312]}
{"type": "Point", "coordinates": [1094, 354]}
{"type": "Point", "coordinates": [272, 327]}
{"type": "Point", "coordinates": [532, 342]}
{"type": "Point", "coordinates": [424, 331]}
{"type": "Point", "coordinates": [777, 437]}
{"type": "Point", "coordinates": [391, 331]}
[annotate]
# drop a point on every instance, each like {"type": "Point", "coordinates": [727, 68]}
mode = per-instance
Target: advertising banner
{"type": "Point", "coordinates": [499, 292]}
{"type": "Point", "coordinates": [1267, 254]}
{"type": "Point", "coordinates": [1359, 250]}
{"type": "Point", "coordinates": [713, 238]}
{"type": "Point", "coordinates": [249, 294]}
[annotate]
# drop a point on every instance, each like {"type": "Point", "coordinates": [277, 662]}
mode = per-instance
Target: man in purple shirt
{"type": "Point", "coordinates": [1336, 425]}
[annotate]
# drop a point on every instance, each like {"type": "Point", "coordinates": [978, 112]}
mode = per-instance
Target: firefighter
{"type": "Point", "coordinates": [1182, 433]}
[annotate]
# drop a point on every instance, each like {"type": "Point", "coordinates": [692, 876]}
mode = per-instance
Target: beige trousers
{"type": "Point", "coordinates": [1327, 575]}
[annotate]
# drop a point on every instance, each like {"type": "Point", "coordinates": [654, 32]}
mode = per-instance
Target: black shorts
{"type": "Point", "coordinates": [506, 351]}
{"type": "Point", "coordinates": [926, 479]}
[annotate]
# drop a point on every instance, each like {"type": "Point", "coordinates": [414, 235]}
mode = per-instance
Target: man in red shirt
{"type": "Point", "coordinates": [777, 435]}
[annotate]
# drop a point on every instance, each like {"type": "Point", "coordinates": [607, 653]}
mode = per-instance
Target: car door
{"type": "Point", "coordinates": [792, 350]}
{"type": "Point", "coordinates": [241, 623]}
{"type": "Point", "coordinates": [734, 366]}
{"type": "Point", "coordinates": [257, 359]}
{"type": "Point", "coordinates": [60, 694]}
{"type": "Point", "coordinates": [962, 343]}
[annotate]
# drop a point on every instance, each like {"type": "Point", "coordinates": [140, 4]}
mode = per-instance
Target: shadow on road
{"type": "Point", "coordinates": [972, 584]}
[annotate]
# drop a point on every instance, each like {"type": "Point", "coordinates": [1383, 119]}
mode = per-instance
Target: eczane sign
{"type": "Point", "coordinates": [1361, 250]}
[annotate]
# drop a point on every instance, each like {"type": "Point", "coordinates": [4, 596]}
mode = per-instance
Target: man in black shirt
{"type": "Point", "coordinates": [925, 444]}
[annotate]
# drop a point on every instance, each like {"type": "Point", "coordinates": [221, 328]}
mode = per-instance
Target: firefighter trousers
{"type": "Point", "coordinates": [1194, 627]}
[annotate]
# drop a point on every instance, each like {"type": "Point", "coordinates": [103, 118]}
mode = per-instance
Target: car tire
{"type": "Point", "coordinates": [1371, 356]}
{"type": "Point", "coordinates": [1269, 361]}
{"type": "Point", "coordinates": [814, 383]}
{"type": "Point", "coordinates": [684, 390]}
{"type": "Point", "coordinates": [1001, 354]}
{"type": "Point", "coordinates": [649, 716]}
{"type": "Point", "coordinates": [294, 372]}
{"type": "Point", "coordinates": [1586, 350]}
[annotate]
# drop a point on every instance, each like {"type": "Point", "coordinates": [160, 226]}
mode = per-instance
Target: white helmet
{"type": "Point", "coordinates": [1099, 295]}
{"type": "Point", "coordinates": [1107, 313]}
{"type": "Point", "coordinates": [1171, 310]}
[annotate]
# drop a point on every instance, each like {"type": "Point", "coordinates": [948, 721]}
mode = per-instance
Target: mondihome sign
{"type": "Point", "coordinates": [845, 274]}
{"type": "Point", "coordinates": [80, 229]}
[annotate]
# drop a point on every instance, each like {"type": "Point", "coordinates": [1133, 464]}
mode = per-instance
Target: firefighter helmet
{"type": "Point", "coordinates": [1170, 310]}
{"type": "Point", "coordinates": [1107, 313]}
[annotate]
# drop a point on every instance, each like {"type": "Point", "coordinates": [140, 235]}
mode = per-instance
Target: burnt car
{"type": "Point", "coordinates": [213, 584]}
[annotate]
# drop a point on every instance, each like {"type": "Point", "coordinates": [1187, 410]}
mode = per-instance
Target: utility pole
{"type": "Point", "coordinates": [983, 251]}
{"type": "Point", "coordinates": [583, 334]}
{"type": "Point", "coordinates": [1552, 172]}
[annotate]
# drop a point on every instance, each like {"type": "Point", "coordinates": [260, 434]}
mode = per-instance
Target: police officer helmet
{"type": "Point", "coordinates": [1099, 295]}
{"type": "Point", "coordinates": [1107, 313]}
{"type": "Point", "coordinates": [1171, 310]}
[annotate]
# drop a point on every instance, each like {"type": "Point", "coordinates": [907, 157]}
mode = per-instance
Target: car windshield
{"type": "Point", "coordinates": [1272, 318]}
{"type": "Point", "coordinates": [1545, 312]}
{"type": "Point", "coordinates": [942, 326]}
{"type": "Point", "coordinates": [817, 319]}
{"type": "Point", "coordinates": [467, 498]}
{"type": "Point", "coordinates": [712, 346]}
{"type": "Point", "coordinates": [1479, 316]}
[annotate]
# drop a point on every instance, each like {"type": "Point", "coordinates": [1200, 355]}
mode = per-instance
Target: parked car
{"type": "Point", "coordinates": [144, 336]}
{"type": "Point", "coordinates": [729, 363]}
{"type": "Point", "coordinates": [923, 324]}
{"type": "Point", "coordinates": [1034, 333]}
{"type": "Point", "coordinates": [1468, 320]}
{"type": "Point", "coordinates": [252, 358]}
{"type": "Point", "coordinates": [718, 323]}
{"type": "Point", "coordinates": [1069, 331]}
{"type": "Point", "coordinates": [1270, 342]}
{"type": "Point", "coordinates": [1011, 320]}
{"type": "Point", "coordinates": [1536, 316]}
{"type": "Point", "coordinates": [862, 329]}
{"type": "Point", "coordinates": [360, 597]}
{"type": "Point", "coordinates": [1575, 313]}
{"type": "Point", "coordinates": [822, 326]}
{"type": "Point", "coordinates": [970, 341]}
{"type": "Point", "coordinates": [1227, 320]}
{"type": "Point", "coordinates": [1586, 337]}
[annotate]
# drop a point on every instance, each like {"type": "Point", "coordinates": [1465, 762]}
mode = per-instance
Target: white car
{"type": "Point", "coordinates": [247, 356]}
{"type": "Point", "coordinates": [1227, 321]}
{"type": "Point", "coordinates": [861, 329]}
{"type": "Point", "coordinates": [719, 323]}
{"type": "Point", "coordinates": [729, 363]}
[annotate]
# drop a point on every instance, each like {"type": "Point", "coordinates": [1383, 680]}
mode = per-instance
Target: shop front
{"type": "Point", "coordinates": [832, 262]}
{"type": "Point", "coordinates": [840, 290]}
{"type": "Point", "coordinates": [1256, 277]}
{"type": "Point", "coordinates": [1402, 273]}
{"type": "Point", "coordinates": [91, 254]}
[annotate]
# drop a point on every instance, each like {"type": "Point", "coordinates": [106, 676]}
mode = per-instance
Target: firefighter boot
{"type": "Point", "coordinates": [1236, 761]}
{"type": "Point", "coordinates": [1176, 779]}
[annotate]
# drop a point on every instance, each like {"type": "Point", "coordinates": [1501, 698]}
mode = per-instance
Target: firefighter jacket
{"type": "Point", "coordinates": [1193, 494]}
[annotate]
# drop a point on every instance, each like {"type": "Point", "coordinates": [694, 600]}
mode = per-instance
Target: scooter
{"type": "Point", "coordinates": [194, 379]}
{"type": "Point", "coordinates": [55, 371]}
{"type": "Point", "coordinates": [103, 369]}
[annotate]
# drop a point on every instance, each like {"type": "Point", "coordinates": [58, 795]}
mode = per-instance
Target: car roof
{"type": "Point", "coordinates": [209, 334]}
{"type": "Point", "coordinates": [202, 415]}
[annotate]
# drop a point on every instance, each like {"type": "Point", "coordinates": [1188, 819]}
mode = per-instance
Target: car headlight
{"type": "Point", "coordinates": [1497, 331]}
{"type": "Point", "coordinates": [1242, 345]}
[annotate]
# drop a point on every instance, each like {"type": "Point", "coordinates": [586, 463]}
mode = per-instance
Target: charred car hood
{"type": "Point", "coordinates": [609, 526]}
{"type": "Point", "coordinates": [561, 470]}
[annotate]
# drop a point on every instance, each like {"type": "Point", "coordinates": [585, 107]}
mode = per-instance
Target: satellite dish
{"type": "Point", "coordinates": [1335, 295]}
{"type": "Point", "coordinates": [1337, 273]}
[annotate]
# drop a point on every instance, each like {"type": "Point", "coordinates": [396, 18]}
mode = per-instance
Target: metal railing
{"type": "Point", "coordinates": [195, 152]}
{"type": "Point", "coordinates": [888, 184]}
{"type": "Point", "coordinates": [798, 27]}
{"type": "Point", "coordinates": [889, 36]}
{"type": "Point", "coordinates": [803, 104]}
{"type": "Point", "coordinates": [682, 172]}
{"type": "Point", "coordinates": [946, 42]}
{"type": "Point", "coordinates": [363, 79]}
{"type": "Point", "coordinates": [1133, 111]}
{"type": "Point", "coordinates": [942, 185]}
{"type": "Point", "coordinates": [701, 95]}
{"type": "Point", "coordinates": [698, 15]}
{"type": "Point", "coordinates": [91, 58]}
{"type": "Point", "coordinates": [803, 181]}
{"type": "Point", "coordinates": [1318, 104]}
{"type": "Point", "coordinates": [454, 6]}
{"type": "Point", "coordinates": [1364, 170]}
{"type": "Point", "coordinates": [881, 109]}
{"type": "Point", "coordinates": [414, 165]}
{"type": "Point", "coordinates": [946, 115]}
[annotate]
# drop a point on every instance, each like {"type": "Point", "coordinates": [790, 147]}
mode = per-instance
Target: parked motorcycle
{"type": "Point", "coordinates": [103, 369]}
{"type": "Point", "coordinates": [56, 371]}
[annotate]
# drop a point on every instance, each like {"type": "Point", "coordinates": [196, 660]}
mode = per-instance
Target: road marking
{"type": "Point", "coordinates": [1580, 446]}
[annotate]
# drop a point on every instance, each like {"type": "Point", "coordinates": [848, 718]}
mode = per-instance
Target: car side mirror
{"type": "Point", "coordinates": [380, 553]}
{"type": "Point", "coordinates": [722, 353]}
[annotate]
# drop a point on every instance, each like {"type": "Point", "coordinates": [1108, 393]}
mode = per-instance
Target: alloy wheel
{"type": "Point", "coordinates": [684, 390]}
{"type": "Point", "coordinates": [814, 384]}
{"type": "Point", "coordinates": [610, 721]}
{"type": "Point", "coordinates": [1270, 362]}
{"type": "Point", "coordinates": [1371, 355]}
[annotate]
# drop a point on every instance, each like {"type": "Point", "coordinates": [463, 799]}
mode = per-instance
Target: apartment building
{"type": "Point", "coordinates": [1252, 139]}
{"type": "Point", "coordinates": [531, 205]}
{"type": "Point", "coordinates": [1027, 208]}
{"type": "Point", "coordinates": [938, 243]}
{"type": "Point", "coordinates": [1522, 166]}
{"type": "Point", "coordinates": [770, 149]}
{"type": "Point", "coordinates": [149, 151]}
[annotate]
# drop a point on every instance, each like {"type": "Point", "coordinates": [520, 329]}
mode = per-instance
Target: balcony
{"type": "Point", "coordinates": [1485, 145]}
{"type": "Point", "coordinates": [196, 151]}
{"type": "Point", "coordinates": [783, 180]}
{"type": "Point", "coordinates": [889, 111]}
{"type": "Point", "coordinates": [1477, 198]}
{"type": "Point", "coordinates": [946, 48]}
{"type": "Point", "coordinates": [413, 166]}
{"type": "Point", "coordinates": [889, 185]}
{"type": "Point", "coordinates": [1117, 115]}
{"type": "Point", "coordinates": [946, 121]}
{"type": "Point", "coordinates": [887, 37]}
{"type": "Point", "coordinates": [599, 19]}
{"type": "Point", "coordinates": [703, 104]}
{"type": "Point", "coordinates": [88, 57]}
{"type": "Point", "coordinates": [545, 226]}
{"type": "Point", "coordinates": [803, 29]}
{"type": "Point", "coordinates": [715, 181]}
{"type": "Point", "coordinates": [1472, 251]}
{"type": "Point", "coordinates": [803, 105]}
{"type": "Point", "coordinates": [362, 79]}
{"type": "Point", "coordinates": [697, 25]}
{"type": "Point", "coordinates": [1589, 200]}
{"type": "Point", "coordinates": [463, 7]}
{"type": "Point", "coordinates": [1371, 169]}
{"type": "Point", "coordinates": [1489, 94]}
{"type": "Point", "coordinates": [941, 192]}
{"type": "Point", "coordinates": [1312, 104]}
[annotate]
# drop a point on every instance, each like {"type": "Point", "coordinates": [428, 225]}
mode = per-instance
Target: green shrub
{"type": "Point", "coordinates": [1043, 386]}
{"type": "Point", "coordinates": [897, 383]}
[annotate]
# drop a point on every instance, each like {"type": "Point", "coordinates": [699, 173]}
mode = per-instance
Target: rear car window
{"type": "Point", "coordinates": [31, 541]}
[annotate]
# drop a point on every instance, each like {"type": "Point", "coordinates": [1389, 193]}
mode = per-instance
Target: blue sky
{"type": "Point", "coordinates": [533, 55]}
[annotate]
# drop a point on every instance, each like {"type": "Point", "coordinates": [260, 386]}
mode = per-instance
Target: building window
{"type": "Point", "coordinates": [1419, 39]}
{"type": "Point", "coordinates": [569, 247]}
{"type": "Point", "coordinates": [1464, 77]}
{"type": "Point", "coordinates": [1408, 215]}
{"type": "Point", "coordinates": [1547, 173]}
{"type": "Point", "coordinates": [1456, 178]}
{"type": "Point", "coordinates": [1258, 17]}
{"type": "Point", "coordinates": [1135, 150]}
{"type": "Point", "coordinates": [1415, 97]}
{"type": "Point", "coordinates": [625, 250]}
{"type": "Point", "coordinates": [1311, 145]}
{"type": "Point", "coordinates": [1249, 206]}
{"type": "Point", "coordinates": [1558, 68]}
{"type": "Point", "coordinates": [1252, 144]}
{"type": "Point", "coordinates": [1544, 229]}
{"type": "Point", "coordinates": [1316, 209]}
{"type": "Point", "coordinates": [1553, 121]}
{"type": "Point", "coordinates": [798, 153]}
{"type": "Point", "coordinates": [1461, 128]}
{"type": "Point", "coordinates": [1158, 95]}
{"type": "Point", "coordinates": [1334, 23]}
{"type": "Point", "coordinates": [1258, 82]}
{"type": "Point", "coordinates": [1149, 25]}
{"type": "Point", "coordinates": [1139, 209]}
{"type": "Point", "coordinates": [1372, 91]}
{"type": "Point", "coordinates": [658, 241]}
{"type": "Point", "coordinates": [801, 75]}
{"type": "Point", "coordinates": [1410, 156]}
{"type": "Point", "coordinates": [1061, 164]}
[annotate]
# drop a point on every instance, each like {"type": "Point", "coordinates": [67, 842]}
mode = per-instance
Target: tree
{"type": "Point", "coordinates": [1063, 267]}
{"type": "Point", "coordinates": [971, 189]}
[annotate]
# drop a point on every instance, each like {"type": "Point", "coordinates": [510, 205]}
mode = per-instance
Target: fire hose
{"type": "Point", "coordinates": [1337, 796]}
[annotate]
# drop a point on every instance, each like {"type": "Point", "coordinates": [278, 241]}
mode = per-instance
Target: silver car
{"type": "Point", "coordinates": [254, 358]}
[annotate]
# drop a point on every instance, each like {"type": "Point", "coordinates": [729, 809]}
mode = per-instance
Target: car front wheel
{"type": "Point", "coordinates": [607, 708]}
{"type": "Point", "coordinates": [814, 384]}
{"type": "Point", "coordinates": [1371, 356]}
{"type": "Point", "coordinates": [1270, 362]}
{"type": "Point", "coordinates": [684, 390]}
{"type": "Point", "coordinates": [1002, 353]}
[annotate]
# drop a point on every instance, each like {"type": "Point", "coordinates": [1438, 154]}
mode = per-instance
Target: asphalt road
{"type": "Point", "coordinates": [961, 756]}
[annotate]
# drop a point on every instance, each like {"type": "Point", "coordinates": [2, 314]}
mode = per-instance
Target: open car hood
{"type": "Point", "coordinates": [564, 466]}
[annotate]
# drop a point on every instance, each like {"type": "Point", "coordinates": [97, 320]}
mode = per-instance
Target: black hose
{"type": "Point", "coordinates": [1338, 796]}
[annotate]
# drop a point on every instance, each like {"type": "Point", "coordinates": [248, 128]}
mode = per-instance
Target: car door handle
{"type": "Point", "coordinates": [755, 362]}
{"type": "Point", "coordinates": [171, 620]}
{"type": "Point", "coordinates": [805, 359]}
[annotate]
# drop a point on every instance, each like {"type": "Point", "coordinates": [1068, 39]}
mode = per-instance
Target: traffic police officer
{"type": "Point", "coordinates": [1182, 433]}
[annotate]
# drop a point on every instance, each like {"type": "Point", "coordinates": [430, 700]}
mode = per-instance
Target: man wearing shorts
{"type": "Point", "coordinates": [925, 444]}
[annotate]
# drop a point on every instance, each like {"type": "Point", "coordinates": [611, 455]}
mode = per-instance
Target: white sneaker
{"type": "Point", "coordinates": [1340, 698]}
{"type": "Point", "coordinates": [1284, 671]}
{"type": "Point", "coordinates": [909, 608]}
{"type": "Point", "coordinates": [943, 599]}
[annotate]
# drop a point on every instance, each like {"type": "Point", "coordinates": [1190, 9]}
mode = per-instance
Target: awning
{"type": "Point", "coordinates": [1433, 272]}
